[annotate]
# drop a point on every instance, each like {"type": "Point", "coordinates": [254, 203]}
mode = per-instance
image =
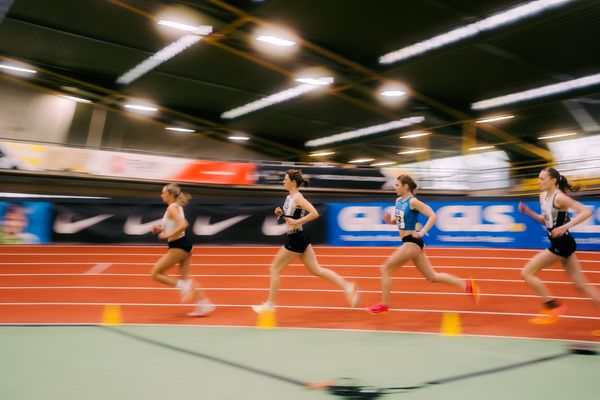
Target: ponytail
{"type": "Point", "coordinates": [408, 180]}
{"type": "Point", "coordinates": [561, 181]}
{"type": "Point", "coordinates": [296, 176]}
{"type": "Point", "coordinates": [181, 197]}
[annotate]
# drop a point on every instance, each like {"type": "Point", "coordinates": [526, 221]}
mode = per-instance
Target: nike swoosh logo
{"type": "Point", "coordinates": [64, 224]}
{"type": "Point", "coordinates": [270, 227]}
{"type": "Point", "coordinates": [203, 227]}
{"type": "Point", "coordinates": [134, 226]}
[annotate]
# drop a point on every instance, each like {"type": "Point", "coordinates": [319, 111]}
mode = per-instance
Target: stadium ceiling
{"type": "Point", "coordinates": [217, 78]}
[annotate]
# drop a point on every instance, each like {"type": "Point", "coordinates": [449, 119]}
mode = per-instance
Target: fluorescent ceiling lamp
{"type": "Point", "coordinates": [316, 81]}
{"type": "Point", "coordinates": [77, 99]}
{"type": "Point", "coordinates": [383, 163]}
{"type": "Point", "coordinates": [482, 148]}
{"type": "Point", "coordinates": [239, 138]}
{"type": "Point", "coordinates": [413, 151]}
{"type": "Point", "coordinates": [411, 135]}
{"type": "Point", "coordinates": [158, 58]}
{"type": "Point", "coordinates": [17, 69]}
{"type": "Point", "coordinates": [494, 21]}
{"type": "Point", "coordinates": [494, 119]}
{"type": "Point", "coordinates": [557, 135]}
{"type": "Point", "coordinates": [538, 92]}
{"type": "Point", "coordinates": [268, 101]}
{"type": "Point", "coordinates": [364, 131]}
{"type": "Point", "coordinates": [198, 30]}
{"type": "Point", "coordinates": [275, 41]}
{"type": "Point", "coordinates": [393, 93]}
{"type": "Point", "coordinates": [137, 107]}
{"type": "Point", "coordinates": [322, 154]}
{"type": "Point", "coordinates": [360, 160]}
{"type": "Point", "coordinates": [177, 129]}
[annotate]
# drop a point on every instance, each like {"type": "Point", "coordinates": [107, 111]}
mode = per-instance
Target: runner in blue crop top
{"type": "Point", "coordinates": [405, 217]}
{"type": "Point", "coordinates": [555, 205]}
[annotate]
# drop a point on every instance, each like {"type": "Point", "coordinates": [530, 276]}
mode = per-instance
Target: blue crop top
{"type": "Point", "coordinates": [406, 218]}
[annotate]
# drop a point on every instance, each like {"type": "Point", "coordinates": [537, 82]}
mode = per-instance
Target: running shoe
{"type": "Point", "coordinates": [264, 307]}
{"type": "Point", "coordinates": [473, 290]}
{"type": "Point", "coordinates": [203, 308]}
{"type": "Point", "coordinates": [549, 316]}
{"type": "Point", "coordinates": [378, 309]}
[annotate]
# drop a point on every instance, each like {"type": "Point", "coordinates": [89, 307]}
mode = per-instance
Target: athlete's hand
{"type": "Point", "coordinates": [387, 217]}
{"type": "Point", "coordinates": [291, 223]}
{"type": "Point", "coordinates": [523, 208]}
{"type": "Point", "coordinates": [418, 234]}
{"type": "Point", "coordinates": [278, 211]}
{"type": "Point", "coordinates": [163, 236]}
{"type": "Point", "coordinates": [558, 232]}
{"type": "Point", "coordinates": [156, 229]}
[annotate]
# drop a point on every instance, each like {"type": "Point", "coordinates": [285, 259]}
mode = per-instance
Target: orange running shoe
{"type": "Point", "coordinates": [378, 309]}
{"type": "Point", "coordinates": [549, 316]}
{"type": "Point", "coordinates": [473, 290]}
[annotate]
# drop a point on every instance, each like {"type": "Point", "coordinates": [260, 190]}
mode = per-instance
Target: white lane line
{"type": "Point", "coordinates": [266, 276]}
{"type": "Point", "coordinates": [98, 269]}
{"type": "Point", "coordinates": [245, 256]}
{"type": "Point", "coordinates": [377, 266]}
{"type": "Point", "coordinates": [295, 308]}
{"type": "Point", "coordinates": [226, 289]}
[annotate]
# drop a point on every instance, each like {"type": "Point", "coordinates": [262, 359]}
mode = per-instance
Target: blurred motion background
{"type": "Point", "coordinates": [102, 102]}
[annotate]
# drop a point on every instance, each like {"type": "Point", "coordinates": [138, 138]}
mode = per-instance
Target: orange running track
{"type": "Point", "coordinates": [71, 284]}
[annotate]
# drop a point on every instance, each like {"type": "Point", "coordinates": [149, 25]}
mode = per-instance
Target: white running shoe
{"type": "Point", "coordinates": [203, 308]}
{"type": "Point", "coordinates": [264, 307]}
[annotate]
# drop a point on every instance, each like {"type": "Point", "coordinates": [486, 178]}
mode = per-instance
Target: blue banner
{"type": "Point", "coordinates": [25, 222]}
{"type": "Point", "coordinates": [466, 224]}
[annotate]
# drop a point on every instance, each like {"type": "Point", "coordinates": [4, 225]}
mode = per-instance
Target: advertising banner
{"type": "Point", "coordinates": [105, 222]}
{"type": "Point", "coordinates": [466, 224]}
{"type": "Point", "coordinates": [25, 222]}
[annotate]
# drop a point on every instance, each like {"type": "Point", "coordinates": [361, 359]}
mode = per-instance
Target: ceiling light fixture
{"type": "Point", "coordinates": [482, 148]}
{"type": "Point", "coordinates": [494, 21]}
{"type": "Point", "coordinates": [316, 81]}
{"type": "Point", "coordinates": [393, 93]}
{"type": "Point", "coordinates": [557, 135]}
{"type": "Point", "coordinates": [275, 41]}
{"type": "Point", "coordinates": [275, 98]}
{"type": "Point", "coordinates": [158, 58]}
{"type": "Point", "coordinates": [494, 119]}
{"type": "Point", "coordinates": [364, 131]}
{"type": "Point", "coordinates": [383, 163]}
{"type": "Point", "coordinates": [360, 160]}
{"type": "Point", "coordinates": [17, 69]}
{"type": "Point", "coordinates": [543, 91]}
{"type": "Point", "coordinates": [238, 138]}
{"type": "Point", "coordinates": [177, 129]}
{"type": "Point", "coordinates": [322, 154]}
{"type": "Point", "coordinates": [140, 108]}
{"type": "Point", "coordinates": [410, 135]}
{"type": "Point", "coordinates": [202, 30]}
{"type": "Point", "coordinates": [412, 151]}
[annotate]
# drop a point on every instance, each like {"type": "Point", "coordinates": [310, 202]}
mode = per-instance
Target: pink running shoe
{"type": "Point", "coordinates": [378, 309]}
